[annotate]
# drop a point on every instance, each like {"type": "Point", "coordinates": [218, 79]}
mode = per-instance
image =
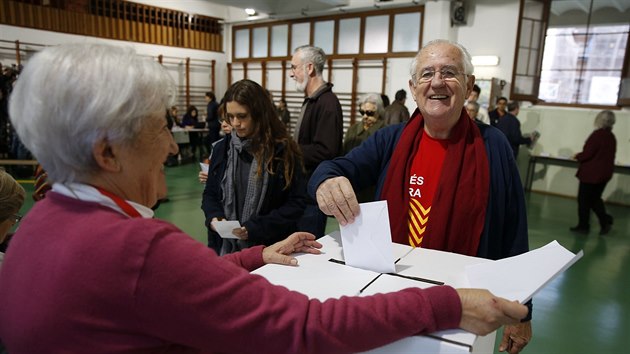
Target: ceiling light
{"type": "Point", "coordinates": [250, 12]}
{"type": "Point", "coordinates": [485, 60]}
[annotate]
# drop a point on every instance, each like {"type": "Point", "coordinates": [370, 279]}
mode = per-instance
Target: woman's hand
{"type": "Point", "coordinates": [279, 252]}
{"type": "Point", "coordinates": [203, 177]}
{"type": "Point", "coordinates": [241, 233]}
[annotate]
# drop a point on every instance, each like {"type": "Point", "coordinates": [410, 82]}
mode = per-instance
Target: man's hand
{"type": "Point", "coordinates": [516, 337]}
{"type": "Point", "coordinates": [336, 197]}
{"type": "Point", "coordinates": [483, 312]}
{"type": "Point", "coordinates": [297, 242]}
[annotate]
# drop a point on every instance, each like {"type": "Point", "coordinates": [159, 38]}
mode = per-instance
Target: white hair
{"type": "Point", "coordinates": [376, 100]}
{"type": "Point", "coordinates": [605, 119]}
{"type": "Point", "coordinates": [315, 55]}
{"type": "Point", "coordinates": [466, 58]}
{"type": "Point", "coordinates": [69, 97]}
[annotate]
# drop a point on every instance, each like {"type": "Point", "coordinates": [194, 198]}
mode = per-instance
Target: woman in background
{"type": "Point", "coordinates": [11, 200]}
{"type": "Point", "coordinates": [372, 111]}
{"type": "Point", "coordinates": [596, 164]}
{"type": "Point", "coordinates": [255, 174]}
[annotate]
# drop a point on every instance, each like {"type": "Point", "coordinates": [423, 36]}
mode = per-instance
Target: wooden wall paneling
{"type": "Point", "coordinates": [229, 74]}
{"type": "Point", "coordinates": [355, 70]}
{"type": "Point", "coordinates": [284, 78]}
{"type": "Point", "coordinates": [146, 22]}
{"type": "Point", "coordinates": [384, 80]}
{"type": "Point", "coordinates": [18, 57]}
{"type": "Point", "coordinates": [213, 75]}
{"type": "Point", "coordinates": [330, 69]}
{"type": "Point", "coordinates": [244, 70]}
{"type": "Point", "coordinates": [3, 13]}
{"type": "Point", "coordinates": [187, 82]}
{"type": "Point", "coordinates": [263, 68]}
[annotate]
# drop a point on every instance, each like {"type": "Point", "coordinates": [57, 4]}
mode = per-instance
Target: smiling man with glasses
{"type": "Point", "coordinates": [451, 184]}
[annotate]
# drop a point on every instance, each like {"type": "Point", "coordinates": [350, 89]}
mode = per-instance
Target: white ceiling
{"type": "Point", "coordinates": [285, 9]}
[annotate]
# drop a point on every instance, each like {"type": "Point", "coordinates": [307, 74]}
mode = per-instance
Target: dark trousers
{"type": "Point", "coordinates": [590, 197]}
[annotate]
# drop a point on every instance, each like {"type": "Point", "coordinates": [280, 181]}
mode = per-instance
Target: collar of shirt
{"type": "Point", "coordinates": [88, 193]}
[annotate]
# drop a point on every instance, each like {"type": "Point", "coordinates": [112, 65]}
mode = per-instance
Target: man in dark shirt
{"type": "Point", "coordinates": [319, 128]}
{"type": "Point", "coordinates": [511, 127]}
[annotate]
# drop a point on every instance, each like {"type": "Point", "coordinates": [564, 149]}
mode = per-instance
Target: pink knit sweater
{"type": "Point", "coordinates": [82, 278]}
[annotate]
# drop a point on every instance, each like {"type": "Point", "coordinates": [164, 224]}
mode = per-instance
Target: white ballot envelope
{"type": "Point", "coordinates": [225, 227]}
{"type": "Point", "coordinates": [522, 276]}
{"type": "Point", "coordinates": [204, 167]}
{"type": "Point", "coordinates": [367, 242]}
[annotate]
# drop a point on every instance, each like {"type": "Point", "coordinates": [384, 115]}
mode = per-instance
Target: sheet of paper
{"type": "Point", "coordinates": [204, 167]}
{"type": "Point", "coordinates": [367, 242]}
{"type": "Point", "coordinates": [522, 276]}
{"type": "Point", "coordinates": [225, 227]}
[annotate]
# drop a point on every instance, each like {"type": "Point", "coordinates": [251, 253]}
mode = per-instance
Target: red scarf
{"type": "Point", "coordinates": [459, 204]}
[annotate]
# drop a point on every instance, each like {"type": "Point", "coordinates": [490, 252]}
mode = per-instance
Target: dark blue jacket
{"type": "Point", "coordinates": [505, 230]}
{"type": "Point", "coordinates": [281, 208]}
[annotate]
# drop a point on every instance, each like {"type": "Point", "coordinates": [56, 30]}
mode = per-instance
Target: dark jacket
{"type": "Point", "coordinates": [511, 127]}
{"type": "Point", "coordinates": [505, 230]}
{"type": "Point", "coordinates": [321, 130]}
{"type": "Point", "coordinates": [280, 211]}
{"type": "Point", "coordinates": [396, 113]}
{"type": "Point", "coordinates": [597, 159]}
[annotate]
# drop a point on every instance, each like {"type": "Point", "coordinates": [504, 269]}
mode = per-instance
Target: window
{"type": "Point", "coordinates": [570, 53]}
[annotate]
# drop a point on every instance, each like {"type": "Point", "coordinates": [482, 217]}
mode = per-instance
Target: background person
{"type": "Point", "coordinates": [450, 184]}
{"type": "Point", "coordinates": [371, 110]}
{"type": "Point", "coordinates": [91, 270]}
{"type": "Point", "coordinates": [496, 114]}
{"type": "Point", "coordinates": [482, 113]}
{"type": "Point", "coordinates": [511, 127]}
{"type": "Point", "coordinates": [255, 174]}
{"type": "Point", "coordinates": [319, 128]}
{"type": "Point", "coordinates": [397, 112]}
{"type": "Point", "coordinates": [11, 200]}
{"type": "Point", "coordinates": [596, 165]}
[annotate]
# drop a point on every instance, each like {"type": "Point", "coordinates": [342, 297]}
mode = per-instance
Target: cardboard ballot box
{"type": "Point", "coordinates": [325, 276]}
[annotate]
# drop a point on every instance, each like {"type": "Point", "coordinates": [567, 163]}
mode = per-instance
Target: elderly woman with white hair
{"type": "Point", "coordinates": [596, 164]}
{"type": "Point", "coordinates": [90, 269]}
{"type": "Point", "coordinates": [372, 112]}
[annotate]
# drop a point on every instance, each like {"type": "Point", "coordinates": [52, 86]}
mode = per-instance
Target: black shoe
{"type": "Point", "coordinates": [579, 229]}
{"type": "Point", "coordinates": [605, 229]}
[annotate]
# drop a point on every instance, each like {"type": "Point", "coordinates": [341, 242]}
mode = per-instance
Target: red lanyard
{"type": "Point", "coordinates": [122, 204]}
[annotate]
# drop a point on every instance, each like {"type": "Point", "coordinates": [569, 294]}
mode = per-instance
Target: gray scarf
{"type": "Point", "coordinates": [254, 196]}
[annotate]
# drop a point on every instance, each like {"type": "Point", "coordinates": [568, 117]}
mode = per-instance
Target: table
{"type": "Point", "coordinates": [319, 278]}
{"type": "Point", "coordinates": [559, 161]}
{"type": "Point", "coordinates": [183, 138]}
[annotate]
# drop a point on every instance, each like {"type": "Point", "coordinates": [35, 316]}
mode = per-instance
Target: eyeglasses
{"type": "Point", "coordinates": [367, 113]}
{"type": "Point", "coordinates": [447, 74]}
{"type": "Point", "coordinates": [15, 218]}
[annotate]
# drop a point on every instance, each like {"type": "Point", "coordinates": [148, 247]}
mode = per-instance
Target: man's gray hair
{"type": "Point", "coordinates": [375, 99]}
{"type": "Point", "coordinates": [466, 58]}
{"type": "Point", "coordinates": [605, 119]}
{"type": "Point", "coordinates": [69, 97]}
{"type": "Point", "coordinates": [315, 55]}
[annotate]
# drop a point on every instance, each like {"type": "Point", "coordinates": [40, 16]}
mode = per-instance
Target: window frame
{"type": "Point", "coordinates": [534, 95]}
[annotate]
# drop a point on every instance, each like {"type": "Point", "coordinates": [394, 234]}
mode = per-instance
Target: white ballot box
{"type": "Point", "coordinates": [325, 276]}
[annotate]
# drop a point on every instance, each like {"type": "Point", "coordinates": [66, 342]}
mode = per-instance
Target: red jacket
{"type": "Point", "coordinates": [597, 159]}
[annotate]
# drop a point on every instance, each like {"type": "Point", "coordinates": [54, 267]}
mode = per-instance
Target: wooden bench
{"type": "Point", "coordinates": [18, 162]}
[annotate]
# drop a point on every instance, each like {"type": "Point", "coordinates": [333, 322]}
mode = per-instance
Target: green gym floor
{"type": "Point", "coordinates": [585, 310]}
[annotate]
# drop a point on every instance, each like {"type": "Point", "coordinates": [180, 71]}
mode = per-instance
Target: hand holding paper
{"type": "Point", "coordinates": [225, 227]}
{"type": "Point", "coordinates": [367, 242]}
